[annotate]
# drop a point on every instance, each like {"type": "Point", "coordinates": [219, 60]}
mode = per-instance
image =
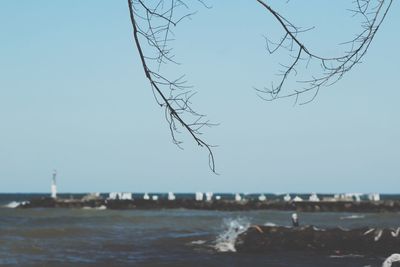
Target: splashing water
{"type": "Point", "coordinates": [393, 258]}
{"type": "Point", "coordinates": [14, 204]}
{"type": "Point", "coordinates": [225, 242]}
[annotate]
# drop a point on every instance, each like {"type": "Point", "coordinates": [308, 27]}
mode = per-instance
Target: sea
{"type": "Point", "coordinates": [165, 237]}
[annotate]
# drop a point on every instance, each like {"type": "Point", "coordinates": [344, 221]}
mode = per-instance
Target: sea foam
{"type": "Point", "coordinates": [352, 217]}
{"type": "Point", "coordinates": [225, 242]}
{"type": "Point", "coordinates": [14, 204]}
{"type": "Point", "coordinates": [392, 258]}
{"type": "Point", "coordinates": [102, 207]}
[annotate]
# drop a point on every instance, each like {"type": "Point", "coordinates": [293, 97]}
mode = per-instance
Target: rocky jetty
{"type": "Point", "coordinates": [226, 205]}
{"type": "Point", "coordinates": [47, 202]}
{"type": "Point", "coordinates": [334, 241]}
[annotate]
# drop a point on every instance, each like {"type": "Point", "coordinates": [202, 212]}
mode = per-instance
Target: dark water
{"type": "Point", "coordinates": [80, 237]}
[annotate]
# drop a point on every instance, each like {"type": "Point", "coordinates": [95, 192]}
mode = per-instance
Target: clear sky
{"type": "Point", "coordinates": [73, 97]}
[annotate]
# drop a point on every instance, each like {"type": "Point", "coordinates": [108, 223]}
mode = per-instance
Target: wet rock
{"type": "Point", "coordinates": [334, 241]}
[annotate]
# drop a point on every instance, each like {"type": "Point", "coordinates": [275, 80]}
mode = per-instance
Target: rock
{"type": "Point", "coordinates": [338, 241]}
{"type": "Point", "coordinates": [227, 205]}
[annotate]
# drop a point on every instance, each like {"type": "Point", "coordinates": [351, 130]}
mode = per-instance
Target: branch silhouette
{"type": "Point", "coordinates": [152, 23]}
{"type": "Point", "coordinates": [171, 94]}
{"type": "Point", "coordinates": [332, 69]}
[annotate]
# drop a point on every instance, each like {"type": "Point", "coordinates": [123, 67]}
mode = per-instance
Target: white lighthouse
{"type": "Point", "coordinates": [53, 185]}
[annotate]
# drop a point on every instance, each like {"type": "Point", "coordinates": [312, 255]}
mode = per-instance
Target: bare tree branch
{"type": "Point", "coordinates": [332, 69]}
{"type": "Point", "coordinates": [152, 22]}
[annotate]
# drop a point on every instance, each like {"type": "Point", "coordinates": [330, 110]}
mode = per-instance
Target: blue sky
{"type": "Point", "coordinates": [73, 97]}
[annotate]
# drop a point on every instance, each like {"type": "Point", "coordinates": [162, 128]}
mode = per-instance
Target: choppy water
{"type": "Point", "coordinates": [81, 237]}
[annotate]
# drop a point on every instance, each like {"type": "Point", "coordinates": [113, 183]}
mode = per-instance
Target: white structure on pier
{"type": "Point", "coordinates": [154, 197]}
{"type": "Point", "coordinates": [287, 198]}
{"type": "Point", "coordinates": [314, 197]}
{"type": "Point", "coordinates": [54, 185]}
{"type": "Point", "coordinates": [199, 196]}
{"type": "Point", "coordinates": [91, 196]}
{"type": "Point", "coordinates": [209, 196]}
{"type": "Point", "coordinates": [171, 196]}
{"type": "Point", "coordinates": [146, 196]}
{"type": "Point", "coordinates": [348, 197]}
{"type": "Point", "coordinates": [262, 197]}
{"type": "Point", "coordinates": [374, 197]}
{"type": "Point", "coordinates": [238, 197]}
{"type": "Point", "coordinates": [297, 199]}
{"type": "Point", "coordinates": [218, 197]}
{"type": "Point", "coordinates": [120, 195]}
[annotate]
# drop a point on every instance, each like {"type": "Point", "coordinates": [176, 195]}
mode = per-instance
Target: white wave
{"type": "Point", "coordinates": [393, 258]}
{"type": "Point", "coordinates": [14, 204]}
{"type": "Point", "coordinates": [347, 256]}
{"type": "Point", "coordinates": [395, 233]}
{"type": "Point", "coordinates": [102, 207]}
{"type": "Point", "coordinates": [318, 229]}
{"type": "Point", "coordinates": [369, 231]}
{"type": "Point", "coordinates": [225, 242]}
{"type": "Point", "coordinates": [198, 242]}
{"type": "Point", "coordinates": [269, 224]}
{"type": "Point", "coordinates": [352, 217]}
{"type": "Point", "coordinates": [378, 235]}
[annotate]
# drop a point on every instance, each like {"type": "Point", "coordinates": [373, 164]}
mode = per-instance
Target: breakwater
{"type": "Point", "coordinates": [334, 241]}
{"type": "Point", "coordinates": [225, 205]}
